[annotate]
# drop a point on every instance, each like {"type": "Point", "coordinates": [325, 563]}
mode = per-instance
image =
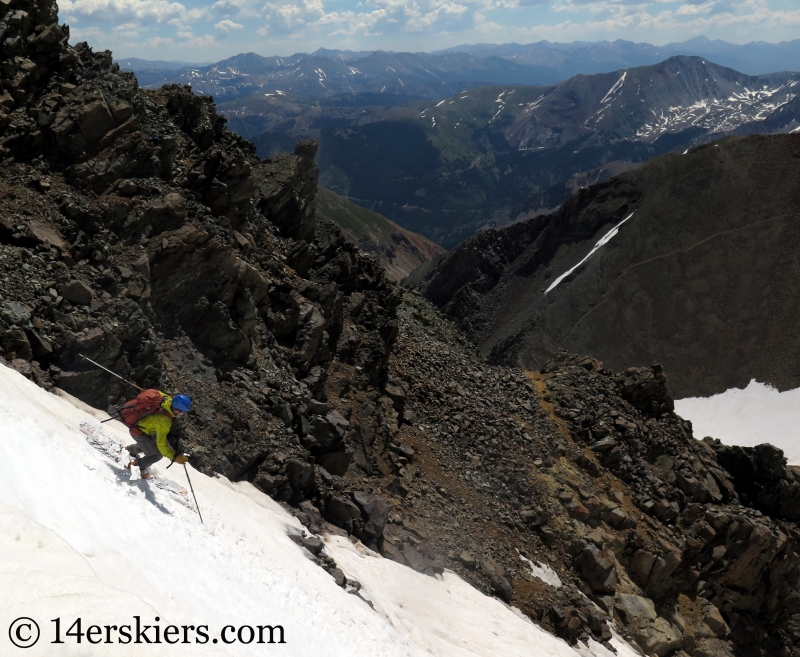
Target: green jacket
{"type": "Point", "coordinates": [158, 426]}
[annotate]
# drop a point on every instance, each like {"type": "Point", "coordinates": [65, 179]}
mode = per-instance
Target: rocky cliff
{"type": "Point", "coordinates": [701, 278]}
{"type": "Point", "coordinates": [136, 230]}
{"type": "Point", "coordinates": [142, 234]}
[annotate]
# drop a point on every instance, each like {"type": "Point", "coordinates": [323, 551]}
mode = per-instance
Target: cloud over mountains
{"type": "Point", "coordinates": [194, 30]}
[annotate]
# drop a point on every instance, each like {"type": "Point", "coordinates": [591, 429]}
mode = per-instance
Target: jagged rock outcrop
{"type": "Point", "coordinates": [762, 478]}
{"type": "Point", "coordinates": [713, 547]}
{"type": "Point", "coordinates": [583, 470]}
{"type": "Point", "coordinates": [140, 233]}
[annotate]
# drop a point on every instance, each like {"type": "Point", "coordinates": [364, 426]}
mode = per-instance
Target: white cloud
{"type": "Point", "coordinates": [188, 38]}
{"type": "Point", "coordinates": [303, 25]}
{"type": "Point", "coordinates": [311, 17]}
{"type": "Point", "coordinates": [159, 42]}
{"type": "Point", "coordinates": [226, 26]}
{"type": "Point", "coordinates": [142, 11]}
{"type": "Point", "coordinates": [228, 7]}
{"type": "Point", "coordinates": [424, 21]}
{"type": "Point", "coordinates": [127, 31]}
{"type": "Point", "coordinates": [86, 33]}
{"type": "Point", "coordinates": [695, 10]}
{"type": "Point", "coordinates": [350, 23]}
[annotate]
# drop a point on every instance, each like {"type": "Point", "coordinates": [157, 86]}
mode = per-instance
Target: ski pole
{"type": "Point", "coordinates": [186, 470]}
{"type": "Point", "coordinates": [110, 372]}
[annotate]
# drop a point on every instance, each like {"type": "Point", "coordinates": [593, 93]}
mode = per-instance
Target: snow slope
{"type": "Point", "coordinates": [78, 540]}
{"type": "Point", "coordinates": [758, 414]}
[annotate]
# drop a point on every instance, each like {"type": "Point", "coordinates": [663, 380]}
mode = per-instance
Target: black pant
{"type": "Point", "coordinates": [147, 444]}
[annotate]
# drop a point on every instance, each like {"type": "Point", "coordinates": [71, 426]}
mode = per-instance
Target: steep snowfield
{"type": "Point", "coordinates": [78, 540]}
{"type": "Point", "coordinates": [758, 414]}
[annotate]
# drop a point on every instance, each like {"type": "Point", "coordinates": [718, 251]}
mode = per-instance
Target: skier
{"type": "Point", "coordinates": [149, 417]}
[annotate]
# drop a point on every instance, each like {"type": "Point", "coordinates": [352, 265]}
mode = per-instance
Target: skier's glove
{"type": "Point", "coordinates": [181, 459]}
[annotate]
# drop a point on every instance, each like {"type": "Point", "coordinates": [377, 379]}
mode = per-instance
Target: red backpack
{"type": "Point", "coordinates": [146, 403]}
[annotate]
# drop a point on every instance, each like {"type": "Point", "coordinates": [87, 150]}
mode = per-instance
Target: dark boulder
{"type": "Point", "coordinates": [761, 478]}
{"type": "Point", "coordinates": [300, 473]}
{"type": "Point", "coordinates": [598, 567]}
{"type": "Point", "coordinates": [374, 513]}
{"type": "Point", "coordinates": [13, 312]}
{"type": "Point", "coordinates": [342, 509]}
{"type": "Point", "coordinates": [77, 292]}
{"type": "Point", "coordinates": [337, 461]}
{"type": "Point", "coordinates": [16, 345]}
{"type": "Point", "coordinates": [501, 587]}
{"type": "Point", "coordinates": [646, 389]}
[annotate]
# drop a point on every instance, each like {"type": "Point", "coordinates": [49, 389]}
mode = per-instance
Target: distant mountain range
{"type": "Point", "coordinates": [488, 155]}
{"type": "Point", "coordinates": [755, 58]}
{"type": "Point", "coordinates": [406, 75]}
{"type": "Point", "coordinates": [136, 64]}
{"type": "Point", "coordinates": [440, 74]}
{"type": "Point", "coordinates": [493, 155]}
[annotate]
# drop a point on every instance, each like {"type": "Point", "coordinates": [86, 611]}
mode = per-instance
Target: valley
{"type": "Point", "coordinates": [494, 155]}
{"type": "Point", "coordinates": [400, 251]}
{"type": "Point", "coordinates": [446, 144]}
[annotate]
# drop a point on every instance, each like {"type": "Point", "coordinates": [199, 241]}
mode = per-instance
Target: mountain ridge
{"type": "Point", "coordinates": [498, 283]}
{"type": "Point", "coordinates": [568, 59]}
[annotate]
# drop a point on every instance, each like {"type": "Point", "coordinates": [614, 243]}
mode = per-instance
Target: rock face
{"type": "Point", "coordinates": [694, 492]}
{"type": "Point", "coordinates": [584, 469]}
{"type": "Point", "coordinates": [654, 635]}
{"type": "Point", "coordinates": [699, 272]}
{"type": "Point", "coordinates": [138, 231]}
{"type": "Point", "coordinates": [762, 478]}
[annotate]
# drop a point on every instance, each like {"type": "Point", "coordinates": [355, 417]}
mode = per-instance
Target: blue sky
{"type": "Point", "coordinates": [194, 31]}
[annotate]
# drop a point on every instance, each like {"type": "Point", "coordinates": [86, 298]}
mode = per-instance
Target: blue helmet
{"type": "Point", "coordinates": [181, 403]}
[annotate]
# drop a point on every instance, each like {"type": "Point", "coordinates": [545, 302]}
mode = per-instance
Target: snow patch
{"type": "Point", "coordinates": [757, 414]}
{"type": "Point", "coordinates": [447, 616]}
{"type": "Point", "coordinates": [543, 572]}
{"type": "Point", "coordinates": [602, 241]}
{"type": "Point", "coordinates": [617, 86]}
{"type": "Point", "coordinates": [721, 114]}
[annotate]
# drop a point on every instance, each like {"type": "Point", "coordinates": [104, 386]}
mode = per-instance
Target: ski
{"type": "Point", "coordinates": [119, 455]}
